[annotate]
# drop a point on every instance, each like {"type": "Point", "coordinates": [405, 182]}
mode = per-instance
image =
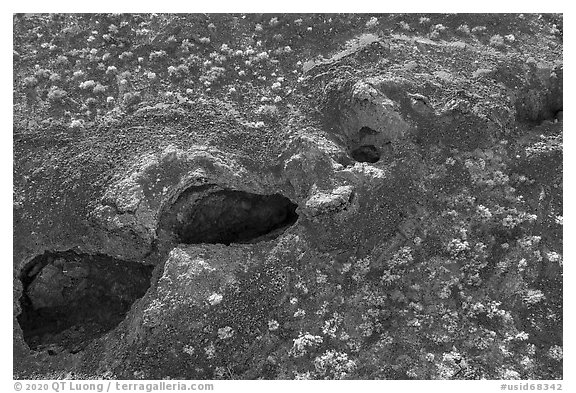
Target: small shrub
{"type": "Point", "coordinates": [372, 22]}
{"type": "Point", "coordinates": [56, 95]}
{"type": "Point", "coordinates": [132, 99]}
{"type": "Point", "coordinates": [497, 41]}
{"type": "Point", "coordinates": [269, 112]}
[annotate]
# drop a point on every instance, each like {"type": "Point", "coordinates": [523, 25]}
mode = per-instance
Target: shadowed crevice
{"type": "Point", "coordinates": [228, 216]}
{"type": "Point", "coordinates": [366, 153]}
{"type": "Point", "coordinates": [70, 299]}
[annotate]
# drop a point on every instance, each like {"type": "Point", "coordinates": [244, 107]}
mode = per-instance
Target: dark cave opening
{"type": "Point", "coordinates": [534, 109]}
{"type": "Point", "coordinates": [70, 299]}
{"type": "Point", "coordinates": [229, 216]}
{"type": "Point", "coordinates": [365, 131]}
{"type": "Point", "coordinates": [559, 115]}
{"type": "Point", "coordinates": [366, 153]}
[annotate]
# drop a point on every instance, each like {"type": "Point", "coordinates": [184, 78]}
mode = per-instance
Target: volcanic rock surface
{"type": "Point", "coordinates": [288, 196]}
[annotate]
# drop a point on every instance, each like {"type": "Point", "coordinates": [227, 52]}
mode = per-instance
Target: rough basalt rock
{"type": "Point", "coordinates": [288, 197]}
